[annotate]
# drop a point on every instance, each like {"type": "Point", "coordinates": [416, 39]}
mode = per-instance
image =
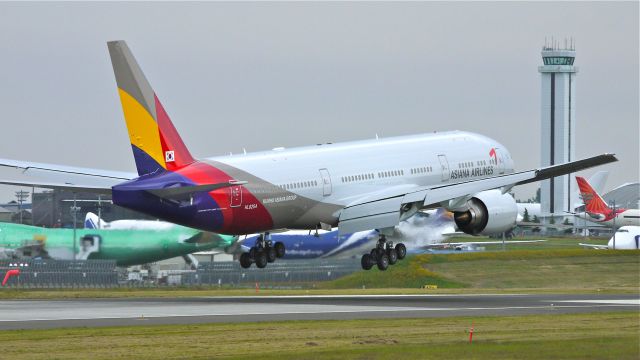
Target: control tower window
{"type": "Point", "coordinates": [558, 60]}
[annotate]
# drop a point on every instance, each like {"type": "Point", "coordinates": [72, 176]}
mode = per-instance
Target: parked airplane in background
{"type": "Point", "coordinates": [598, 181]}
{"type": "Point", "coordinates": [476, 245]}
{"type": "Point", "coordinates": [356, 186]}
{"type": "Point", "coordinates": [425, 227]}
{"type": "Point", "coordinates": [93, 221]}
{"type": "Point", "coordinates": [598, 211]}
{"type": "Point", "coordinates": [626, 238]}
{"type": "Point", "coordinates": [126, 247]}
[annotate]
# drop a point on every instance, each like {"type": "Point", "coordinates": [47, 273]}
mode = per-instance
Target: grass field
{"type": "Point", "coordinates": [544, 270]}
{"type": "Point", "coordinates": [562, 270]}
{"type": "Point", "coordinates": [574, 336]}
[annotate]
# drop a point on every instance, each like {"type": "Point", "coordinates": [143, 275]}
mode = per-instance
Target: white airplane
{"type": "Point", "coordinates": [355, 186]}
{"type": "Point", "coordinates": [598, 211]}
{"type": "Point", "coordinates": [626, 238]}
{"type": "Point", "coordinates": [478, 245]}
{"type": "Point", "coordinates": [93, 221]}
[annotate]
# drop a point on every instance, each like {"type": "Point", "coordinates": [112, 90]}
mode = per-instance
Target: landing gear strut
{"type": "Point", "coordinates": [262, 253]}
{"type": "Point", "coordinates": [384, 254]}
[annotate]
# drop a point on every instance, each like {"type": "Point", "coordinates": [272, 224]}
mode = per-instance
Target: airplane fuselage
{"type": "Point", "coordinates": [300, 188]}
{"type": "Point", "coordinates": [622, 217]}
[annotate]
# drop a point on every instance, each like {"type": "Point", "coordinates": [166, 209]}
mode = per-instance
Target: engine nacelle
{"type": "Point", "coordinates": [489, 212]}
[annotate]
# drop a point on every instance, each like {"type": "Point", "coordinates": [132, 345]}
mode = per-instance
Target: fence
{"type": "Point", "coordinates": [278, 273]}
{"type": "Point", "coordinates": [104, 273]}
{"type": "Point", "coordinates": [61, 273]}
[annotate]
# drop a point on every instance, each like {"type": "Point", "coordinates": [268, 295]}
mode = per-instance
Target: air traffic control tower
{"type": "Point", "coordinates": [558, 124]}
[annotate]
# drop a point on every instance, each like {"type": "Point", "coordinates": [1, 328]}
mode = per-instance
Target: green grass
{"type": "Point", "coordinates": [555, 269]}
{"type": "Point", "coordinates": [546, 270]}
{"type": "Point", "coordinates": [569, 336]}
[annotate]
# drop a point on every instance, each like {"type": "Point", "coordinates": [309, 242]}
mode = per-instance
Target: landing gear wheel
{"type": "Point", "coordinates": [383, 262]}
{"type": "Point", "coordinates": [261, 259]}
{"type": "Point", "coordinates": [280, 249]}
{"type": "Point", "coordinates": [374, 254]}
{"type": "Point", "coordinates": [252, 252]}
{"type": "Point", "coordinates": [271, 254]}
{"type": "Point", "coordinates": [366, 262]}
{"type": "Point", "coordinates": [245, 260]}
{"type": "Point", "coordinates": [401, 251]}
{"type": "Point", "coordinates": [392, 255]}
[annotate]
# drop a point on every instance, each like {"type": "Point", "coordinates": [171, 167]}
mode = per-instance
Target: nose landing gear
{"type": "Point", "coordinates": [384, 254]}
{"type": "Point", "coordinates": [262, 253]}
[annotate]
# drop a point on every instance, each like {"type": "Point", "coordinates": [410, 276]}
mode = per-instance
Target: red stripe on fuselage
{"type": "Point", "coordinates": [249, 217]}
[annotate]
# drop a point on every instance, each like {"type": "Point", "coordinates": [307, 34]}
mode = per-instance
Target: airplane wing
{"type": "Point", "coordinates": [376, 212]}
{"type": "Point", "coordinates": [54, 176]}
{"type": "Point", "coordinates": [594, 246]}
{"type": "Point", "coordinates": [59, 186]}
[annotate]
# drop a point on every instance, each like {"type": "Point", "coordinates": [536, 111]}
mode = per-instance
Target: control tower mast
{"type": "Point", "coordinates": [558, 124]}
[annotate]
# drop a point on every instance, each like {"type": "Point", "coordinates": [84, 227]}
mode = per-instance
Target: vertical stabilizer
{"type": "Point", "coordinates": [593, 202]}
{"type": "Point", "coordinates": [156, 144]}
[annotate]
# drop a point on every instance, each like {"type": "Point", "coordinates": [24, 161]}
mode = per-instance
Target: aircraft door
{"type": "Point", "coordinates": [326, 182]}
{"type": "Point", "coordinates": [235, 193]}
{"type": "Point", "coordinates": [444, 167]}
{"type": "Point", "coordinates": [501, 161]}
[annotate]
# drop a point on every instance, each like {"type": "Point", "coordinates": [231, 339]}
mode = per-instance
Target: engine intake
{"type": "Point", "coordinates": [488, 212]}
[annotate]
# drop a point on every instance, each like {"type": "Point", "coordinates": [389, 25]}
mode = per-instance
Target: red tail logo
{"type": "Point", "coordinates": [492, 153]}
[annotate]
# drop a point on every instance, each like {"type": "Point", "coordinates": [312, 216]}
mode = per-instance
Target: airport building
{"type": "Point", "coordinates": [558, 125]}
{"type": "Point", "coordinates": [55, 208]}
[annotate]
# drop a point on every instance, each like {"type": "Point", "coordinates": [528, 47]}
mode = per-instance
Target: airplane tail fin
{"type": "Point", "coordinates": [156, 144]}
{"type": "Point", "coordinates": [93, 221]}
{"type": "Point", "coordinates": [593, 202]}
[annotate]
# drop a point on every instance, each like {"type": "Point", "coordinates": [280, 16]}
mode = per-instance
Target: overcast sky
{"type": "Point", "coordinates": [263, 75]}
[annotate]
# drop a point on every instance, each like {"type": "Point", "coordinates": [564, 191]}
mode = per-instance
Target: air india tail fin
{"type": "Point", "coordinates": [594, 203]}
{"type": "Point", "coordinates": [156, 144]}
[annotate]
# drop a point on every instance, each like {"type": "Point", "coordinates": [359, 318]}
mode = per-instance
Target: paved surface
{"type": "Point", "coordinates": [30, 314]}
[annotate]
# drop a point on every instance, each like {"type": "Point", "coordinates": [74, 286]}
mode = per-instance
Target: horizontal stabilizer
{"type": "Point", "coordinates": [182, 191]}
{"type": "Point", "coordinates": [59, 186]}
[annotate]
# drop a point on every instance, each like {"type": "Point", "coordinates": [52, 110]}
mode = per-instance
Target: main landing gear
{"type": "Point", "coordinates": [384, 254]}
{"type": "Point", "coordinates": [262, 253]}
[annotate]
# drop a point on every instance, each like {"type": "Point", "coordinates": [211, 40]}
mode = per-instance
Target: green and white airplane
{"type": "Point", "coordinates": [128, 247]}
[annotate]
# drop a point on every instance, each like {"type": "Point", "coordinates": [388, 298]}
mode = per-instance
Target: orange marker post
{"type": "Point", "coordinates": [471, 334]}
{"type": "Point", "coordinates": [10, 273]}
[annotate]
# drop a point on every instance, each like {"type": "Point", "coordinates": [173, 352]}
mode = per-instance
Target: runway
{"type": "Point", "coordinates": [35, 314]}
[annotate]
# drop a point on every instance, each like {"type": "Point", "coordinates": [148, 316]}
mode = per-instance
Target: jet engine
{"type": "Point", "coordinates": [489, 212]}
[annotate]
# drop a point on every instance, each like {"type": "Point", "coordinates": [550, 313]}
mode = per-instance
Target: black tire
{"type": "Point", "coordinates": [280, 249]}
{"type": "Point", "coordinates": [392, 254]}
{"type": "Point", "coordinates": [245, 260]}
{"type": "Point", "coordinates": [374, 255]}
{"type": "Point", "coordinates": [401, 251]}
{"type": "Point", "coordinates": [261, 259]}
{"type": "Point", "coordinates": [271, 254]}
{"type": "Point", "coordinates": [252, 252]}
{"type": "Point", "coordinates": [383, 262]}
{"type": "Point", "coordinates": [366, 262]}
